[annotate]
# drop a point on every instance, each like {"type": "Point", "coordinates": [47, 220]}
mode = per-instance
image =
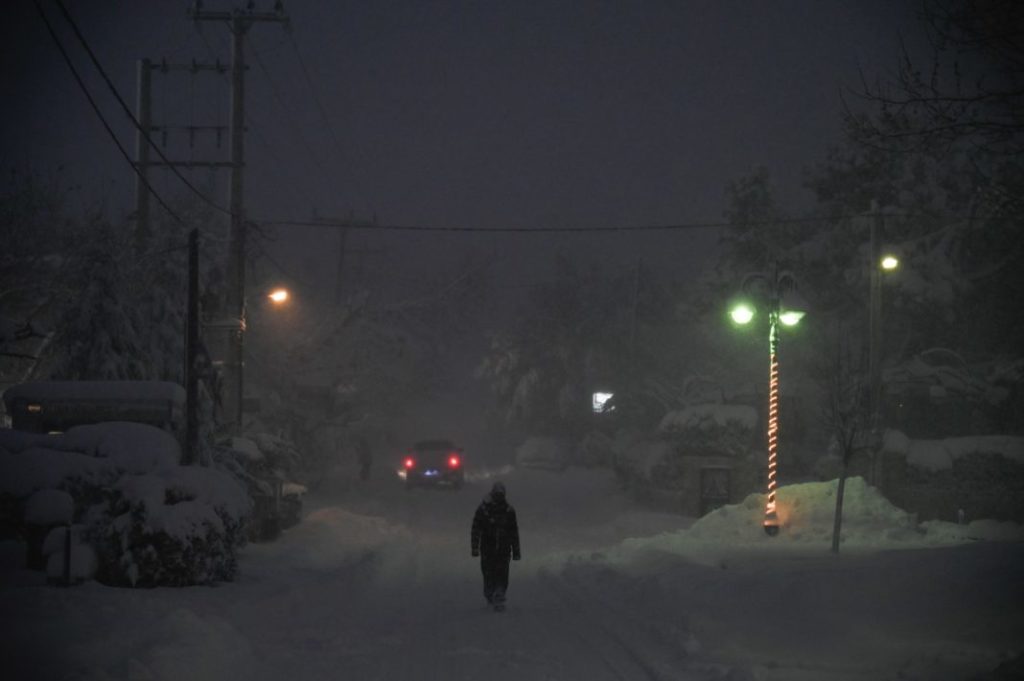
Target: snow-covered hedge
{"type": "Point", "coordinates": [147, 520]}
{"type": "Point", "coordinates": [937, 455]}
{"type": "Point", "coordinates": [711, 429]}
{"type": "Point", "coordinates": [664, 460]}
{"type": "Point", "coordinates": [982, 476]}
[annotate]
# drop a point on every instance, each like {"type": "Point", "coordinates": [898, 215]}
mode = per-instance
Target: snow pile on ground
{"type": "Point", "coordinates": [333, 536]}
{"type": "Point", "coordinates": [806, 513]}
{"type": "Point", "coordinates": [936, 455]}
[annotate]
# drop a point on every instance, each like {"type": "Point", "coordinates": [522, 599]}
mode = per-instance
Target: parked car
{"type": "Point", "coordinates": [434, 463]}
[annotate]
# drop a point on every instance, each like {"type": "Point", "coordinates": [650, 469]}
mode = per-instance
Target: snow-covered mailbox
{"type": "Point", "coordinates": [56, 406]}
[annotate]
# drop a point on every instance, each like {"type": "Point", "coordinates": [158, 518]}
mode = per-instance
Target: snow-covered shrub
{"type": "Point", "coordinates": [711, 429]}
{"type": "Point", "coordinates": [267, 465]}
{"type": "Point", "coordinates": [148, 520]}
{"type": "Point", "coordinates": [703, 430]}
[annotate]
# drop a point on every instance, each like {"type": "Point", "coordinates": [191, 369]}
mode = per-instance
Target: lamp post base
{"type": "Point", "coordinates": [771, 530]}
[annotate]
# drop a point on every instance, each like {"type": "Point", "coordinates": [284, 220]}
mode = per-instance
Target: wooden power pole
{"type": "Point", "coordinates": [239, 22]}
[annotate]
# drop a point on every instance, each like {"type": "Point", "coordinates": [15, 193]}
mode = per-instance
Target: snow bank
{"type": "Point", "coordinates": [333, 536]}
{"type": "Point", "coordinates": [704, 416]}
{"type": "Point", "coordinates": [806, 513]}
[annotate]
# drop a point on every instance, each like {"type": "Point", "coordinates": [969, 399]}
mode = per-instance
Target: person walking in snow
{"type": "Point", "coordinates": [495, 539]}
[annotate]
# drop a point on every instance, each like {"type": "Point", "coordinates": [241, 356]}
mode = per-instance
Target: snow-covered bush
{"type": "Point", "coordinates": [147, 520]}
{"type": "Point", "coordinates": [267, 465]}
{"type": "Point", "coordinates": [703, 430]}
{"type": "Point", "coordinates": [711, 429]}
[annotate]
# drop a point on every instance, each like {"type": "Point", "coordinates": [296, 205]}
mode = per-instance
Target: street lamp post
{"type": "Point", "coordinates": [880, 263]}
{"type": "Point", "coordinates": [776, 287]}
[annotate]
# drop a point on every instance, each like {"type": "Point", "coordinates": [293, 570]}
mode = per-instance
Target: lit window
{"type": "Point", "coordinates": [600, 402]}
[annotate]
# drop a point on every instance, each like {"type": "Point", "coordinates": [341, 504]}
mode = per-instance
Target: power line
{"type": "Point", "coordinates": [344, 224]}
{"type": "Point", "coordinates": [316, 98]}
{"type": "Point", "coordinates": [131, 116]}
{"type": "Point", "coordinates": [287, 111]}
{"type": "Point", "coordinates": [297, 191]}
{"type": "Point", "coordinates": [103, 120]}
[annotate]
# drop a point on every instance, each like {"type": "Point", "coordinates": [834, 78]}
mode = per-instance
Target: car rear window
{"type": "Point", "coordinates": [434, 446]}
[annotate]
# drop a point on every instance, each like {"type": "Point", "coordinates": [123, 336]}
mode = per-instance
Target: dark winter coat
{"type": "Point", "coordinates": [495, 532]}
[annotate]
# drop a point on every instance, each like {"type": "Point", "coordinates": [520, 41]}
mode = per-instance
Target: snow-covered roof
{"type": "Point", "coordinates": [133, 391]}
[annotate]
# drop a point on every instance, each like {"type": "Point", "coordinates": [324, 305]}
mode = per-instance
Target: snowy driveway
{"type": "Point", "coordinates": [378, 584]}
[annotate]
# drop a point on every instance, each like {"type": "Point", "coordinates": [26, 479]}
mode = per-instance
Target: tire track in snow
{"type": "Point", "coordinates": [595, 620]}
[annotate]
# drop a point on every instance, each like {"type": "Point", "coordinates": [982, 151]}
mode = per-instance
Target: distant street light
{"type": "Point", "coordinates": [780, 293]}
{"type": "Point", "coordinates": [278, 296]}
{"type": "Point", "coordinates": [880, 263]}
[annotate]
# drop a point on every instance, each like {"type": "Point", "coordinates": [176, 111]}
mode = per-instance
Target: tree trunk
{"type": "Point", "coordinates": [838, 523]}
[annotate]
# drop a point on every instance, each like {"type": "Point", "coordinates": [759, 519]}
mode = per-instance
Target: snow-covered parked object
{"type": "Point", "coordinates": [543, 452]}
{"type": "Point", "coordinates": [45, 406]}
{"type": "Point", "coordinates": [93, 453]}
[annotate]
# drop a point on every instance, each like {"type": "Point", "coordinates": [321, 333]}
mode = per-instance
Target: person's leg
{"type": "Point", "coordinates": [488, 572]}
{"type": "Point", "coordinates": [500, 579]}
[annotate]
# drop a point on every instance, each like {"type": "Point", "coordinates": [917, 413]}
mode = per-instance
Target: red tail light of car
{"type": "Point", "coordinates": [453, 461]}
{"type": "Point", "coordinates": [410, 462]}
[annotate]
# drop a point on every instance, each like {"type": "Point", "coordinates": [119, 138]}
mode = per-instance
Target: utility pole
{"type": "Point", "coordinates": [875, 320]}
{"type": "Point", "coordinates": [143, 111]}
{"type": "Point", "coordinates": [239, 21]}
{"type": "Point", "coordinates": [343, 226]}
{"type": "Point", "coordinates": [875, 342]}
{"type": "Point", "coordinates": [192, 353]}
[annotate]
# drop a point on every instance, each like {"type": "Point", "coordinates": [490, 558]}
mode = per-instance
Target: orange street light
{"type": "Point", "coordinates": [279, 296]}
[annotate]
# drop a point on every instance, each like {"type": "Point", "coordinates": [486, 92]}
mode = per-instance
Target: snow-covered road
{"type": "Point", "coordinates": [377, 583]}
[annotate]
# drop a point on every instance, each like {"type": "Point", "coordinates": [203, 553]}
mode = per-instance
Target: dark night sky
{"type": "Point", "coordinates": [470, 113]}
